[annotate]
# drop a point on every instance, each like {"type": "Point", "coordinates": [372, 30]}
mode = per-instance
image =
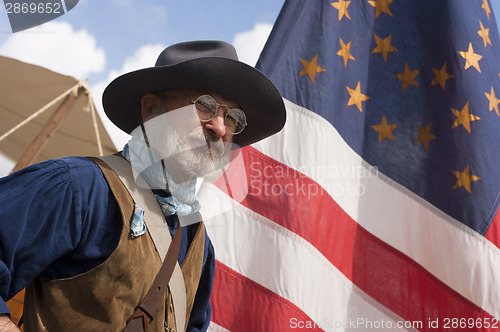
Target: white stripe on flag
{"type": "Point", "coordinates": [285, 263]}
{"type": "Point", "coordinates": [453, 253]}
{"type": "Point", "coordinates": [216, 328]}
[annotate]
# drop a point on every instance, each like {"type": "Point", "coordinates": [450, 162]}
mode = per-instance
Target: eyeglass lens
{"type": "Point", "coordinates": [234, 119]}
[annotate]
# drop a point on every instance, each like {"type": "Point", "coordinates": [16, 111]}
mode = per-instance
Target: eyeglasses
{"type": "Point", "coordinates": [235, 119]}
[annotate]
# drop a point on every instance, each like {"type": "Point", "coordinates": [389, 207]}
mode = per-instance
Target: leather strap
{"type": "Point", "coordinates": [158, 229]}
{"type": "Point", "coordinates": [145, 312]}
{"type": "Point", "coordinates": [142, 196]}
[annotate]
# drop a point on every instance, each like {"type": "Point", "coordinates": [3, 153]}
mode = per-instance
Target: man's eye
{"type": "Point", "coordinates": [203, 107]}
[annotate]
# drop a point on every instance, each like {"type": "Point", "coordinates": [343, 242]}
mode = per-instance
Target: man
{"type": "Point", "coordinates": [80, 234]}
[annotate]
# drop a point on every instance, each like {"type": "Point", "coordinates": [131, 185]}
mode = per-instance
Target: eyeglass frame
{"type": "Point", "coordinates": [228, 110]}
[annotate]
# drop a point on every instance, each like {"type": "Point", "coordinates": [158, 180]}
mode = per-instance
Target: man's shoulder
{"type": "Point", "coordinates": [61, 169]}
{"type": "Point", "coordinates": [78, 165]}
{"type": "Point", "coordinates": [79, 171]}
{"type": "Point", "coordinates": [57, 179]}
{"type": "Point", "coordinates": [63, 164]}
{"type": "Point", "coordinates": [86, 177]}
{"type": "Point", "coordinates": [77, 162]}
{"type": "Point", "coordinates": [82, 169]}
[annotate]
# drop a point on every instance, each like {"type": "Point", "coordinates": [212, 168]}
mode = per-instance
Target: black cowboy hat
{"type": "Point", "coordinates": [209, 66]}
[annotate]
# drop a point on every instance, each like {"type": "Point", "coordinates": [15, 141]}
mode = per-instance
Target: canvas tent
{"type": "Point", "coordinates": [46, 115]}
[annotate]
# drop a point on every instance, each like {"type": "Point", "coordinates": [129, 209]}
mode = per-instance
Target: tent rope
{"type": "Point", "coordinates": [94, 122]}
{"type": "Point", "coordinates": [90, 107]}
{"type": "Point", "coordinates": [73, 89]}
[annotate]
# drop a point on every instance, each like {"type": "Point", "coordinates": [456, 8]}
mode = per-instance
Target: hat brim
{"type": "Point", "coordinates": [255, 94]}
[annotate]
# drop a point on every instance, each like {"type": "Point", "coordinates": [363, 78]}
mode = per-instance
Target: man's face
{"type": "Point", "coordinates": [214, 129]}
{"type": "Point", "coordinates": [188, 147]}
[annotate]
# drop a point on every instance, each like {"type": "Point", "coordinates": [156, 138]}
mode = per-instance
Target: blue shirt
{"type": "Point", "coordinates": [59, 219]}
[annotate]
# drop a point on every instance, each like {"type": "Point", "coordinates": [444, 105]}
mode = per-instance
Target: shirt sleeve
{"type": "Point", "coordinates": [48, 218]}
{"type": "Point", "coordinates": [202, 310]}
{"type": "Point", "coordinates": [3, 307]}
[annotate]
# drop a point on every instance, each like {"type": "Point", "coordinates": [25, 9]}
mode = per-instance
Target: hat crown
{"type": "Point", "coordinates": [194, 50]}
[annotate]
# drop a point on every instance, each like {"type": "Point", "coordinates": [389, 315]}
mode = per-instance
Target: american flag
{"type": "Point", "coordinates": [377, 205]}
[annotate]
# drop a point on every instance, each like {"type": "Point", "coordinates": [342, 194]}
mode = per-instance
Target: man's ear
{"type": "Point", "coordinates": [148, 101]}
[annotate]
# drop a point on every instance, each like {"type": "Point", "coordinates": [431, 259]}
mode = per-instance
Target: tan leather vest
{"type": "Point", "coordinates": [103, 298]}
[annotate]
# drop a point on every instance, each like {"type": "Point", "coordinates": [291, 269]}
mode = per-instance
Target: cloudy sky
{"type": "Point", "coordinates": [100, 39]}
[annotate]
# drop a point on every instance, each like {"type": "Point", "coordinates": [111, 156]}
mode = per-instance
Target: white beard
{"type": "Point", "coordinates": [178, 139]}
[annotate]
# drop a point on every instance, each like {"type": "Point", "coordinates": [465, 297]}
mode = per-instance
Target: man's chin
{"type": "Point", "coordinates": [208, 169]}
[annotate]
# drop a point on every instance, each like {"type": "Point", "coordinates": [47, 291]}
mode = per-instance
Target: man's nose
{"type": "Point", "coordinates": [216, 126]}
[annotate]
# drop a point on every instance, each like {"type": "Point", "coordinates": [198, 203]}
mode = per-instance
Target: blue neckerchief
{"type": "Point", "coordinates": [180, 199]}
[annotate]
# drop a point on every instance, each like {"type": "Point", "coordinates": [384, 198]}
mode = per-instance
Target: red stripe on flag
{"type": "Point", "coordinates": [493, 233]}
{"type": "Point", "coordinates": [281, 194]}
{"type": "Point", "coordinates": [234, 296]}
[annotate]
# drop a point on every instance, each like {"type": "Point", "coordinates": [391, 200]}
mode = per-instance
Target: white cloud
{"type": "Point", "coordinates": [144, 57]}
{"type": "Point", "coordinates": [249, 44]}
{"type": "Point", "coordinates": [56, 46]}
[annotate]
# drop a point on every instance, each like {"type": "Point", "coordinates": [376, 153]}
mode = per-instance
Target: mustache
{"type": "Point", "coordinates": [201, 139]}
